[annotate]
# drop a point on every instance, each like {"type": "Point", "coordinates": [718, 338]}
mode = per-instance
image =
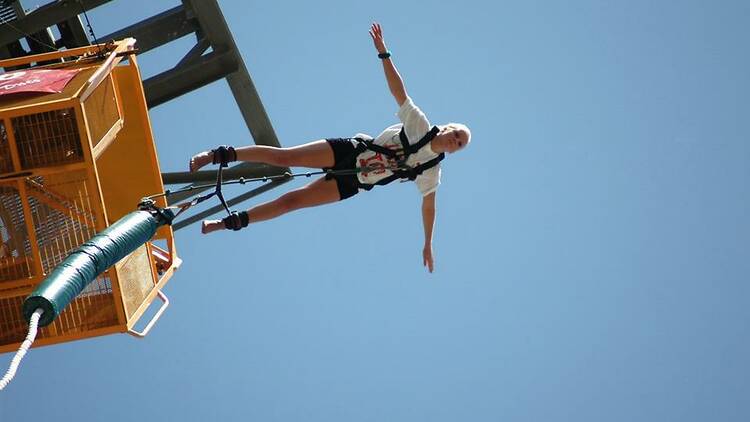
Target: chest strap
{"type": "Point", "coordinates": [406, 148]}
{"type": "Point", "coordinates": [413, 148]}
{"type": "Point", "coordinates": [403, 171]}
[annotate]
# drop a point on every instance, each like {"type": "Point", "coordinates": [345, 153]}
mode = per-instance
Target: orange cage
{"type": "Point", "coordinates": [71, 163]}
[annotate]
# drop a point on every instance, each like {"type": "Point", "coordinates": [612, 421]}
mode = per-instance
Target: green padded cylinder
{"type": "Point", "coordinates": [88, 261]}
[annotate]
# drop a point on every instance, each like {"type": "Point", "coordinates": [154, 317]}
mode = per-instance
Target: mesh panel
{"type": "Point", "coordinates": [89, 311]}
{"type": "Point", "coordinates": [136, 280]}
{"type": "Point", "coordinates": [47, 139]}
{"type": "Point", "coordinates": [62, 214]}
{"type": "Point", "coordinates": [15, 248]}
{"type": "Point", "coordinates": [101, 110]}
{"type": "Point", "coordinates": [62, 217]}
{"type": "Point", "coordinates": [6, 165]}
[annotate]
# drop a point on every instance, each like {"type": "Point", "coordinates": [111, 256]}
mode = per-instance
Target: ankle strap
{"type": "Point", "coordinates": [224, 154]}
{"type": "Point", "coordinates": [236, 220]}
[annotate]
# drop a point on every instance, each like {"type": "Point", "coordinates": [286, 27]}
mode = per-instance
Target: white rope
{"type": "Point", "coordinates": [25, 346]}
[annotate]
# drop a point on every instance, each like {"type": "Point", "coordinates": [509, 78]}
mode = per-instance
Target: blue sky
{"type": "Point", "coordinates": [591, 245]}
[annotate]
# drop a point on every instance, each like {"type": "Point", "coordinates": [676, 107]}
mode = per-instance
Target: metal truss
{"type": "Point", "coordinates": [213, 57]}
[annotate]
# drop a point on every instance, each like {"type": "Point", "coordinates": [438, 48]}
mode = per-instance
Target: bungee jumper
{"type": "Point", "coordinates": [410, 150]}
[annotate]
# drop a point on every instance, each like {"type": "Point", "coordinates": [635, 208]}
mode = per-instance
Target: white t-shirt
{"type": "Point", "coordinates": [416, 126]}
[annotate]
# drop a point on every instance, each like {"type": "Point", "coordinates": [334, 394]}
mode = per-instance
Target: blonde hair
{"type": "Point", "coordinates": [457, 126]}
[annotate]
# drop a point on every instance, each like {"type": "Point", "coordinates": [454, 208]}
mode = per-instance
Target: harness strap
{"type": "Point", "coordinates": [403, 171]}
{"type": "Point", "coordinates": [413, 148]}
{"type": "Point", "coordinates": [221, 155]}
{"type": "Point", "coordinates": [410, 173]}
{"type": "Point", "coordinates": [365, 144]}
{"type": "Point", "coordinates": [217, 191]}
{"type": "Point", "coordinates": [403, 138]}
{"type": "Point", "coordinates": [406, 151]}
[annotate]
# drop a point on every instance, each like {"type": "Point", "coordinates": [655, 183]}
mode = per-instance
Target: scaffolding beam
{"type": "Point", "coordinates": [215, 56]}
{"type": "Point", "coordinates": [157, 30]}
{"type": "Point", "coordinates": [72, 33]}
{"type": "Point", "coordinates": [180, 80]}
{"type": "Point", "coordinates": [45, 16]}
{"type": "Point", "coordinates": [215, 29]}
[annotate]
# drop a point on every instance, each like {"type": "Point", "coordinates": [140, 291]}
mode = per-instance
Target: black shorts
{"type": "Point", "coordinates": [344, 158]}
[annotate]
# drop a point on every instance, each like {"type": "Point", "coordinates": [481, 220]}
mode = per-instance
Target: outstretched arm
{"type": "Point", "coordinates": [395, 83]}
{"type": "Point", "coordinates": [428, 220]}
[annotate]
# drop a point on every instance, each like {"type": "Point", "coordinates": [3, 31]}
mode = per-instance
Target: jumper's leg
{"type": "Point", "coordinates": [319, 192]}
{"type": "Point", "coordinates": [316, 154]}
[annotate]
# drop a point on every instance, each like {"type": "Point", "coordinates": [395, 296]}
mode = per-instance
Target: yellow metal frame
{"type": "Point", "coordinates": [114, 185]}
{"type": "Point", "coordinates": [79, 52]}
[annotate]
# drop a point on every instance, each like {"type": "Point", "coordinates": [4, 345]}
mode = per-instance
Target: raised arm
{"type": "Point", "coordinates": [395, 83]}
{"type": "Point", "coordinates": [428, 220]}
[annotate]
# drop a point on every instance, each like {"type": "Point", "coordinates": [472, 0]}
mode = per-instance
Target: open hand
{"type": "Point", "coordinates": [376, 33]}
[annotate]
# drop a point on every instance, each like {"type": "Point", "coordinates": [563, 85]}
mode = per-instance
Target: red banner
{"type": "Point", "coordinates": [35, 80]}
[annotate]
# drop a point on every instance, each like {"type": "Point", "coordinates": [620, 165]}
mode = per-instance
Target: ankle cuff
{"type": "Point", "coordinates": [236, 220]}
{"type": "Point", "coordinates": [223, 154]}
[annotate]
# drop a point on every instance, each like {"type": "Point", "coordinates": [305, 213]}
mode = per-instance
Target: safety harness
{"type": "Point", "coordinates": [402, 170]}
{"type": "Point", "coordinates": [222, 156]}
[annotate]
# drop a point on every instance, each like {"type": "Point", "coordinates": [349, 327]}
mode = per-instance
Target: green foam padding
{"type": "Point", "coordinates": [88, 261]}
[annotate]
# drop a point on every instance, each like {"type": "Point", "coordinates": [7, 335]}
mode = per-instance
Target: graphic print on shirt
{"type": "Point", "coordinates": [377, 163]}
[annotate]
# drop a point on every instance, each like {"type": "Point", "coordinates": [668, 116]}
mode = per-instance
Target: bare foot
{"type": "Point", "coordinates": [212, 226]}
{"type": "Point", "coordinates": [201, 159]}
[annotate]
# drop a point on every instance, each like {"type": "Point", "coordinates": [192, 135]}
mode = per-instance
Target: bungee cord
{"type": "Point", "coordinates": [25, 346]}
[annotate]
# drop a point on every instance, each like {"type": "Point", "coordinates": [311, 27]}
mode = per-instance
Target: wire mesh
{"type": "Point", "coordinates": [85, 313]}
{"type": "Point", "coordinates": [135, 279]}
{"type": "Point", "coordinates": [63, 217]}
{"type": "Point", "coordinates": [47, 139]}
{"type": "Point", "coordinates": [101, 110]}
{"type": "Point", "coordinates": [15, 248]}
{"type": "Point", "coordinates": [62, 214]}
{"type": "Point", "coordinates": [6, 164]}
